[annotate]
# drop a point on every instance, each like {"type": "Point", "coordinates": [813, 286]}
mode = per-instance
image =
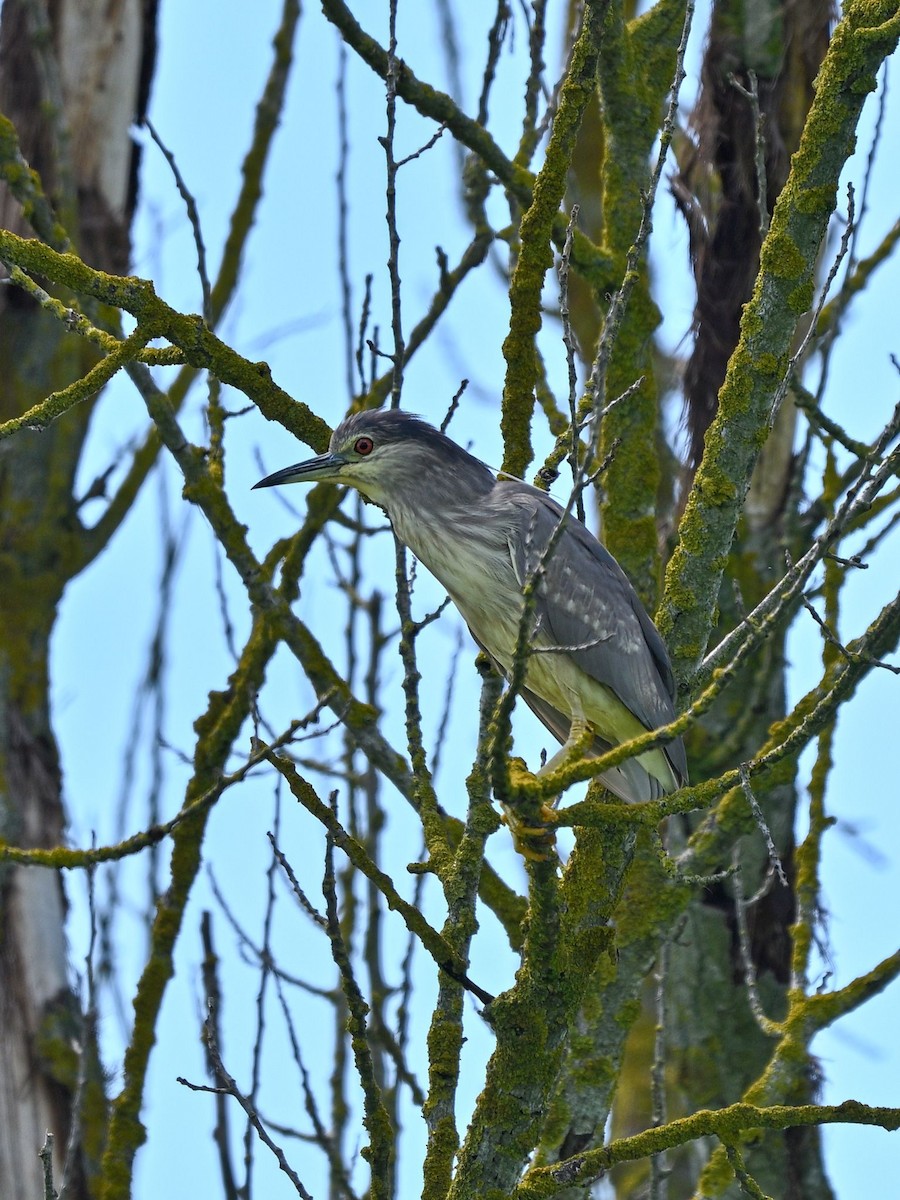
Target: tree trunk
{"type": "Point", "coordinates": [72, 80]}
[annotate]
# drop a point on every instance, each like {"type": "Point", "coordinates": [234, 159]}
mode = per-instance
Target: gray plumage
{"type": "Point", "coordinates": [596, 657]}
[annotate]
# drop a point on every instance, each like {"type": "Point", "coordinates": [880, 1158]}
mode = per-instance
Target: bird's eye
{"type": "Point", "coordinates": [364, 446]}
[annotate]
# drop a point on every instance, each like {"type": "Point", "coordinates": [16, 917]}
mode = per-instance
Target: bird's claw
{"type": "Point", "coordinates": [537, 843]}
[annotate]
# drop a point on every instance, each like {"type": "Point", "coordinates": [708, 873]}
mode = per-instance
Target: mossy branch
{"type": "Point", "coordinates": [445, 1033]}
{"type": "Point", "coordinates": [535, 256]}
{"type": "Point", "coordinates": [530, 1022]}
{"type": "Point", "coordinates": [640, 64]}
{"type": "Point", "coordinates": [825, 1008]}
{"type": "Point", "coordinates": [787, 739]}
{"type": "Point", "coordinates": [25, 184]}
{"type": "Point", "coordinates": [56, 404]}
{"type": "Point", "coordinates": [67, 858]}
{"type": "Point", "coordinates": [190, 334]}
{"type": "Point", "coordinates": [268, 114]}
{"type": "Point", "coordinates": [728, 1123]}
{"type": "Point", "coordinates": [567, 933]}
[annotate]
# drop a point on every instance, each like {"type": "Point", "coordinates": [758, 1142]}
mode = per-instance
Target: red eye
{"type": "Point", "coordinates": [364, 445]}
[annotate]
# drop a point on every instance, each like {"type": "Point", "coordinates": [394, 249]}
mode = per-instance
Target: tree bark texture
{"type": "Point", "coordinates": [74, 75]}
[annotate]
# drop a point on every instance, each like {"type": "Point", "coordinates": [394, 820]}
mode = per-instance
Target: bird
{"type": "Point", "coordinates": [597, 672]}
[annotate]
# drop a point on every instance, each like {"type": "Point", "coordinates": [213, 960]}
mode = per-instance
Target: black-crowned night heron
{"type": "Point", "coordinates": [595, 660]}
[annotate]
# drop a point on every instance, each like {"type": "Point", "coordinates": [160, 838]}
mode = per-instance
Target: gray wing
{"type": "Point", "coordinates": [587, 605]}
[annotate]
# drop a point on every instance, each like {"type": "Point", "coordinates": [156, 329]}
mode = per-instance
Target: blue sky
{"type": "Point", "coordinates": [213, 59]}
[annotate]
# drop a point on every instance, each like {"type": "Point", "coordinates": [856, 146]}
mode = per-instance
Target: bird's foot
{"type": "Point", "coordinates": [534, 841]}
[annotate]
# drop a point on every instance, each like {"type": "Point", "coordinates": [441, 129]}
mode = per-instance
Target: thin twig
{"type": "Point", "coordinates": [454, 405]}
{"type": "Point", "coordinates": [213, 994]}
{"type": "Point", "coordinates": [496, 37]}
{"type": "Point", "coordinates": [381, 1136]}
{"type": "Point", "coordinates": [305, 903]}
{"type": "Point", "coordinates": [343, 215]}
{"type": "Point", "coordinates": [432, 141]}
{"type": "Point", "coordinates": [365, 313]}
{"type": "Point", "coordinates": [659, 1170]}
{"type": "Point", "coordinates": [391, 168]}
{"type": "Point", "coordinates": [568, 338]}
{"type": "Point", "coordinates": [321, 1137]}
{"type": "Point", "coordinates": [193, 216]}
{"type": "Point", "coordinates": [813, 324]}
{"type": "Point", "coordinates": [45, 1154]}
{"type": "Point", "coordinates": [768, 1026]}
{"type": "Point", "coordinates": [751, 94]}
{"type": "Point", "coordinates": [781, 597]}
{"type": "Point", "coordinates": [228, 1086]}
{"type": "Point", "coordinates": [762, 825]}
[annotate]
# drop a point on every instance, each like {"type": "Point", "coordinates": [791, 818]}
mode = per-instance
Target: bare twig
{"type": "Point", "coordinates": [454, 405]}
{"type": "Point", "coordinates": [762, 825]}
{"type": "Point", "coordinates": [568, 337]}
{"type": "Point", "coordinates": [751, 94]}
{"type": "Point", "coordinates": [391, 168]}
{"type": "Point", "coordinates": [212, 992]}
{"type": "Point", "coordinates": [321, 1136]}
{"type": "Point", "coordinates": [193, 216]}
{"type": "Point", "coordinates": [496, 37]}
{"type": "Point", "coordinates": [658, 1165]}
{"type": "Point", "coordinates": [343, 212]}
{"type": "Point", "coordinates": [45, 1154]}
{"type": "Point", "coordinates": [831, 637]}
{"type": "Point", "coordinates": [432, 141]}
{"type": "Point", "coordinates": [768, 1026]}
{"type": "Point", "coordinates": [381, 1136]}
{"type": "Point", "coordinates": [813, 324]}
{"type": "Point", "coordinates": [305, 903]}
{"type": "Point", "coordinates": [228, 1086]}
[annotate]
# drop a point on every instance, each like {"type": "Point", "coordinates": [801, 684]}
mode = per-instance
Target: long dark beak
{"type": "Point", "coordinates": [326, 467]}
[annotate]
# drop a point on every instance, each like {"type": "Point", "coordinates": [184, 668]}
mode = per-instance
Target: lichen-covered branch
{"type": "Point", "coordinates": [190, 334]}
{"type": "Point", "coordinates": [535, 256]}
{"type": "Point", "coordinates": [729, 1123]}
{"type": "Point", "coordinates": [25, 184]}
{"type": "Point", "coordinates": [268, 115]}
{"type": "Point", "coordinates": [641, 63]}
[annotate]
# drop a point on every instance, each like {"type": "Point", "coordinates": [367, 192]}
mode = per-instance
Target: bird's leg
{"type": "Point", "coordinates": [581, 735]}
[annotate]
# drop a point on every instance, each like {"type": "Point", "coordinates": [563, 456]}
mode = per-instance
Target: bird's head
{"type": "Point", "coordinates": [391, 457]}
